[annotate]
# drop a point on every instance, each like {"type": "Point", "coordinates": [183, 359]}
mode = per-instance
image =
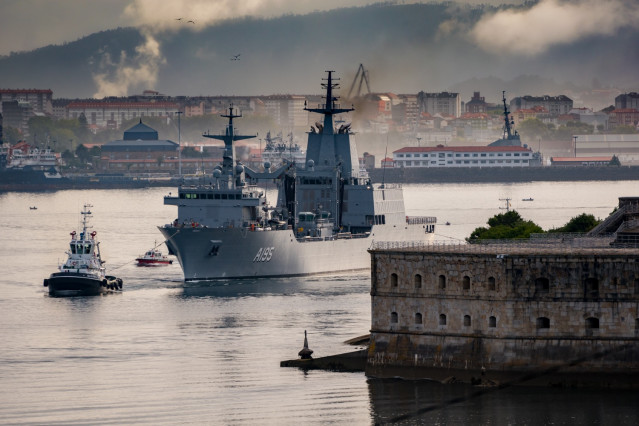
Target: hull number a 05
{"type": "Point", "coordinates": [264, 254]}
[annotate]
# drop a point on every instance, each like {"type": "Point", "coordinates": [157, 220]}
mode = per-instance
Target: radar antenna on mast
{"type": "Point", "coordinates": [362, 74]}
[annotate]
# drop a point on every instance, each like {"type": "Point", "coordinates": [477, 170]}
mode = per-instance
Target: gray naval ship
{"type": "Point", "coordinates": [324, 220]}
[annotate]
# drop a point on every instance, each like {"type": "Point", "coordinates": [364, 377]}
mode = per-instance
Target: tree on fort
{"type": "Point", "coordinates": [505, 226]}
{"type": "Point", "coordinates": [582, 223]}
{"type": "Point", "coordinates": [511, 225]}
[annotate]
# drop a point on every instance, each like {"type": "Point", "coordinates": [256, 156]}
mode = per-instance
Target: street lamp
{"type": "Point", "coordinates": [179, 113]}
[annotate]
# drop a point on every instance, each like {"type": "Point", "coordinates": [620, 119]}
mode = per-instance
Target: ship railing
{"type": "Point", "coordinates": [600, 244]}
{"type": "Point", "coordinates": [389, 186]}
{"type": "Point", "coordinates": [421, 220]}
{"type": "Point", "coordinates": [339, 236]}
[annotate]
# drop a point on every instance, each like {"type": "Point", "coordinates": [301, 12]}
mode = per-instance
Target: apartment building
{"type": "Point", "coordinates": [555, 105]}
{"type": "Point", "coordinates": [443, 103]}
{"type": "Point", "coordinates": [41, 100]}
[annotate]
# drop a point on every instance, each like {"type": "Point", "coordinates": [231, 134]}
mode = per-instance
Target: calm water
{"type": "Point", "coordinates": [165, 353]}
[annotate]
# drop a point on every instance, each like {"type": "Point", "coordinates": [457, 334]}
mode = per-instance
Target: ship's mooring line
{"type": "Point", "coordinates": [519, 380]}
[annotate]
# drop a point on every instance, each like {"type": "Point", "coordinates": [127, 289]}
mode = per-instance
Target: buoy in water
{"type": "Point", "coordinates": [305, 353]}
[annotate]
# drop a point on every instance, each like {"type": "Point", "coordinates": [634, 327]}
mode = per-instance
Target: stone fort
{"type": "Point", "coordinates": [551, 311]}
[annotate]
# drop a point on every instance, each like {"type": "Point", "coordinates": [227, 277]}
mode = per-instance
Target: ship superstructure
{"type": "Point", "coordinates": [277, 151]}
{"type": "Point", "coordinates": [324, 218]}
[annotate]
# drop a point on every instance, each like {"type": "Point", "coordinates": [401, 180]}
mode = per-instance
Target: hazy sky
{"type": "Point", "coordinates": [29, 24]}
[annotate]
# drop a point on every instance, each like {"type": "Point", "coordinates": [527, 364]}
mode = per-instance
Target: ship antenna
{"type": "Point", "coordinates": [506, 113]}
{"type": "Point", "coordinates": [331, 107]}
{"type": "Point", "coordinates": [384, 166]}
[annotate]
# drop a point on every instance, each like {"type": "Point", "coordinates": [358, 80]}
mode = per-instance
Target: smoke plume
{"type": "Point", "coordinates": [551, 22]}
{"type": "Point", "coordinates": [134, 73]}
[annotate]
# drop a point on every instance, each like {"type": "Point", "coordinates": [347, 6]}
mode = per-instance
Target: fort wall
{"type": "Point", "coordinates": [549, 314]}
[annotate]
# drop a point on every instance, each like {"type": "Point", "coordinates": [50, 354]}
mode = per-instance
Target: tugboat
{"type": "Point", "coordinates": [323, 220]}
{"type": "Point", "coordinates": [153, 257]}
{"type": "Point", "coordinates": [83, 272]}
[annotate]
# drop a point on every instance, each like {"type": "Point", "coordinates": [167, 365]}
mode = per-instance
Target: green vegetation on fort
{"type": "Point", "coordinates": [511, 225]}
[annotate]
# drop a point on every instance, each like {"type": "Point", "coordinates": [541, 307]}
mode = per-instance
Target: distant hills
{"type": "Point", "coordinates": [405, 48]}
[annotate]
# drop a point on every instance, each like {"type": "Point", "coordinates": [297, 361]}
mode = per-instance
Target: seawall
{"type": "Point", "coordinates": [549, 315]}
{"type": "Point", "coordinates": [502, 174]}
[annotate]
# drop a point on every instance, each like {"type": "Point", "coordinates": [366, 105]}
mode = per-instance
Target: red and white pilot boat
{"type": "Point", "coordinates": [153, 257]}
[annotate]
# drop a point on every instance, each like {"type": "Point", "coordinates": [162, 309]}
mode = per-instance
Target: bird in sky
{"type": "Point", "coordinates": [236, 57]}
{"type": "Point", "coordinates": [178, 19]}
{"type": "Point", "coordinates": [190, 22]}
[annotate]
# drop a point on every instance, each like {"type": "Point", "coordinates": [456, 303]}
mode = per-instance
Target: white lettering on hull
{"type": "Point", "coordinates": [264, 254]}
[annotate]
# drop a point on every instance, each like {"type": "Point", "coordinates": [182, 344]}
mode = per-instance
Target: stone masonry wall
{"type": "Point", "coordinates": [466, 314]}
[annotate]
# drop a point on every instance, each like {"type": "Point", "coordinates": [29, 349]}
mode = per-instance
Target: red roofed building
{"type": "Point", "coordinates": [463, 156]}
{"type": "Point", "coordinates": [623, 117]}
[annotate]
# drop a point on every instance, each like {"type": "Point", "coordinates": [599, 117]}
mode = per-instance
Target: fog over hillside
{"type": "Point", "coordinates": [406, 48]}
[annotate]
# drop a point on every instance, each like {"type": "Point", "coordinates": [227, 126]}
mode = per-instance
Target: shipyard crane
{"type": "Point", "coordinates": [362, 74]}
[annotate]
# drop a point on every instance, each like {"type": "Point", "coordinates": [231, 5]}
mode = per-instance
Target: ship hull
{"type": "Point", "coordinates": [230, 253]}
{"type": "Point", "coordinates": [79, 284]}
{"type": "Point", "coordinates": [153, 262]}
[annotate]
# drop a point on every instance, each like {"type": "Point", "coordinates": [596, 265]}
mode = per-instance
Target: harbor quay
{"type": "Point", "coordinates": [558, 311]}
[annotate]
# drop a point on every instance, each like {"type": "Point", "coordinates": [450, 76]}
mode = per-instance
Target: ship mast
{"type": "Point", "coordinates": [507, 120]}
{"type": "Point", "coordinates": [228, 158]}
{"type": "Point", "coordinates": [331, 107]}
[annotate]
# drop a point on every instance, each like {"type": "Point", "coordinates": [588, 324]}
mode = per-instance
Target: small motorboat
{"type": "Point", "coordinates": [83, 273]}
{"type": "Point", "coordinates": [33, 208]}
{"type": "Point", "coordinates": [527, 199]}
{"type": "Point", "coordinates": [153, 257]}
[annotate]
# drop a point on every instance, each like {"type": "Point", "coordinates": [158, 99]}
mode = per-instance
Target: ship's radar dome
{"type": "Point", "coordinates": [239, 168]}
{"type": "Point", "coordinates": [310, 164]}
{"type": "Point", "coordinates": [217, 173]}
{"type": "Point", "coordinates": [267, 165]}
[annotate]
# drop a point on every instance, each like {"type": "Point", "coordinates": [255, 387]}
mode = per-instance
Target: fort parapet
{"type": "Point", "coordinates": [558, 311]}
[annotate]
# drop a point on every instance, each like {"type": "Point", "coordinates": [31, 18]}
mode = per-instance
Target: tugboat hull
{"type": "Point", "coordinates": [64, 284]}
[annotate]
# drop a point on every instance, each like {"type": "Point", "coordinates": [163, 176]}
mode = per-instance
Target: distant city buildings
{"type": "Point", "coordinates": [477, 104]}
{"type": "Point", "coordinates": [41, 100]}
{"type": "Point", "coordinates": [624, 147]}
{"type": "Point", "coordinates": [443, 103]}
{"type": "Point", "coordinates": [111, 115]}
{"type": "Point", "coordinates": [287, 111]}
{"type": "Point", "coordinates": [17, 114]}
{"type": "Point", "coordinates": [432, 118]}
{"type": "Point", "coordinates": [623, 117]}
{"type": "Point", "coordinates": [627, 100]}
{"type": "Point", "coordinates": [555, 105]}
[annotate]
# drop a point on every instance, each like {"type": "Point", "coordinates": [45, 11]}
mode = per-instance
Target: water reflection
{"type": "Point", "coordinates": [428, 402]}
{"type": "Point", "coordinates": [324, 286]}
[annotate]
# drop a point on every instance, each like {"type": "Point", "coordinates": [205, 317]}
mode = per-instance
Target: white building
{"type": "Point", "coordinates": [112, 114]}
{"type": "Point", "coordinates": [625, 147]}
{"type": "Point", "coordinates": [463, 156]}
